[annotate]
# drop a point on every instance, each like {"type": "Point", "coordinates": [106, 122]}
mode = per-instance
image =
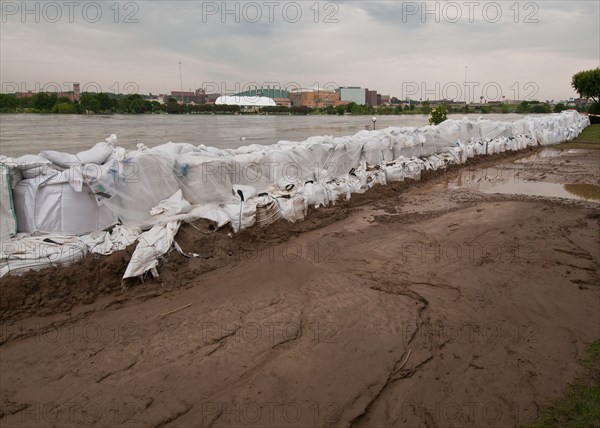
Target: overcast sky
{"type": "Point", "coordinates": [518, 50]}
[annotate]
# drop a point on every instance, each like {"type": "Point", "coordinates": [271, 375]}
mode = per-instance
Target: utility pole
{"type": "Point", "coordinates": [466, 101]}
{"type": "Point", "coordinates": [181, 82]}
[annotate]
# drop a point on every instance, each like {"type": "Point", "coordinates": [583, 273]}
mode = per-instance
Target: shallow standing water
{"type": "Point", "coordinates": [30, 133]}
{"type": "Point", "coordinates": [509, 181]}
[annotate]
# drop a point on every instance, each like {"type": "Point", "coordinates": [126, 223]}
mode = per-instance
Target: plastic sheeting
{"type": "Point", "coordinates": [8, 219]}
{"type": "Point", "coordinates": [157, 188]}
{"type": "Point", "coordinates": [151, 245]}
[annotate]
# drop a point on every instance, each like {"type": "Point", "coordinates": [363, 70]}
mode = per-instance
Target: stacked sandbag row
{"type": "Point", "coordinates": [59, 192]}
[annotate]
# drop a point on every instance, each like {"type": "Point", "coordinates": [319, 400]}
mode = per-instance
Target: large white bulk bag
{"type": "Point", "coordinates": [293, 207]}
{"type": "Point", "coordinates": [449, 132]}
{"type": "Point", "coordinates": [209, 180]}
{"type": "Point", "coordinates": [434, 141]}
{"type": "Point", "coordinates": [8, 219]}
{"type": "Point", "coordinates": [55, 207]}
{"type": "Point", "coordinates": [136, 184]}
{"type": "Point", "coordinates": [267, 210]}
{"type": "Point", "coordinates": [394, 172]}
{"type": "Point", "coordinates": [345, 156]}
{"type": "Point", "coordinates": [291, 165]}
{"type": "Point", "coordinates": [408, 145]}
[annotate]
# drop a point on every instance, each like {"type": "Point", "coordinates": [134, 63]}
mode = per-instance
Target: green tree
{"type": "Point", "coordinates": [559, 107]}
{"type": "Point", "coordinates": [438, 115]}
{"type": "Point", "coordinates": [524, 107]}
{"type": "Point", "coordinates": [156, 106]}
{"type": "Point", "coordinates": [542, 108]}
{"type": "Point", "coordinates": [587, 84]}
{"type": "Point", "coordinates": [64, 108]}
{"type": "Point", "coordinates": [106, 103]}
{"type": "Point", "coordinates": [172, 106]}
{"type": "Point", "coordinates": [44, 102]}
{"type": "Point", "coordinates": [89, 102]}
{"type": "Point", "coordinates": [8, 102]}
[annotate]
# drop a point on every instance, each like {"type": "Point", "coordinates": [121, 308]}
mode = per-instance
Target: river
{"type": "Point", "coordinates": [31, 133]}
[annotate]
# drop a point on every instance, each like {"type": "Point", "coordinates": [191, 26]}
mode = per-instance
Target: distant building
{"type": "Point", "coordinates": [353, 94]}
{"type": "Point", "coordinates": [265, 92]}
{"type": "Point", "coordinates": [247, 102]}
{"type": "Point", "coordinates": [284, 102]}
{"type": "Point", "coordinates": [73, 95]}
{"type": "Point", "coordinates": [384, 100]}
{"type": "Point", "coordinates": [370, 97]}
{"type": "Point", "coordinates": [212, 98]}
{"type": "Point", "coordinates": [581, 101]}
{"type": "Point", "coordinates": [187, 97]}
{"type": "Point", "coordinates": [314, 98]}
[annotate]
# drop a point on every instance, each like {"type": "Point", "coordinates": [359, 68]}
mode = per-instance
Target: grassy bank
{"type": "Point", "coordinates": [588, 139]}
{"type": "Point", "coordinates": [580, 406]}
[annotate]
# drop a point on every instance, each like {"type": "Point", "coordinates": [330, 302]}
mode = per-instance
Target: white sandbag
{"type": "Point", "coordinates": [61, 159]}
{"type": "Point", "coordinates": [116, 239]}
{"type": "Point", "coordinates": [267, 210]}
{"type": "Point", "coordinates": [151, 245]}
{"type": "Point", "coordinates": [412, 168]}
{"type": "Point", "coordinates": [55, 207]}
{"type": "Point", "coordinates": [338, 189]}
{"type": "Point", "coordinates": [434, 162]}
{"type": "Point", "coordinates": [292, 207]}
{"type": "Point", "coordinates": [176, 148]}
{"type": "Point", "coordinates": [8, 218]}
{"type": "Point", "coordinates": [174, 205]}
{"type": "Point", "coordinates": [97, 154]}
{"type": "Point", "coordinates": [394, 172]}
{"type": "Point", "coordinates": [34, 253]}
{"type": "Point", "coordinates": [27, 162]}
{"type": "Point", "coordinates": [42, 171]}
{"type": "Point", "coordinates": [315, 194]}
{"type": "Point", "coordinates": [242, 214]}
{"type": "Point", "coordinates": [479, 148]}
{"type": "Point", "coordinates": [376, 175]}
{"type": "Point", "coordinates": [214, 214]}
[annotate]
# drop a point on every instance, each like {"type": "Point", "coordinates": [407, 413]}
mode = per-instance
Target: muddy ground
{"type": "Point", "coordinates": [434, 303]}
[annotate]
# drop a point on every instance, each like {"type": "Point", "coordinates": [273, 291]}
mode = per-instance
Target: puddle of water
{"type": "Point", "coordinates": [586, 192]}
{"type": "Point", "coordinates": [542, 154]}
{"type": "Point", "coordinates": [589, 192]}
{"type": "Point", "coordinates": [505, 181]}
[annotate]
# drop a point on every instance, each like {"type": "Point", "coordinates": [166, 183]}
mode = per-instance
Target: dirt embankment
{"type": "Point", "coordinates": [55, 290]}
{"type": "Point", "coordinates": [423, 304]}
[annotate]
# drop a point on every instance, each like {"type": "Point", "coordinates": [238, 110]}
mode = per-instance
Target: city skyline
{"type": "Point", "coordinates": [417, 50]}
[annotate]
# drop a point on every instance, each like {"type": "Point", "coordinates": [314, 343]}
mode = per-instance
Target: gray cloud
{"type": "Point", "coordinates": [374, 44]}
